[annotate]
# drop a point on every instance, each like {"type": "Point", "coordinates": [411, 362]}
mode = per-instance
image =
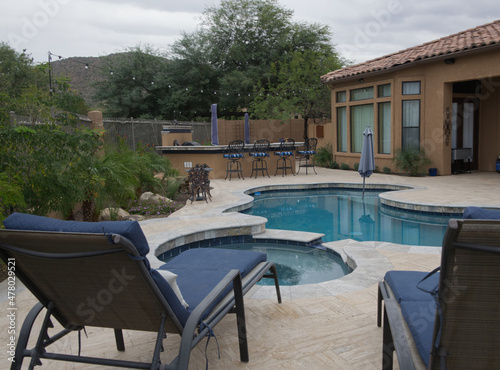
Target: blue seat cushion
{"type": "Point", "coordinates": [404, 285]}
{"type": "Point", "coordinates": [479, 213]}
{"type": "Point", "coordinates": [200, 270]}
{"type": "Point", "coordinates": [284, 154]}
{"type": "Point", "coordinates": [234, 156]}
{"type": "Point", "coordinates": [129, 229]}
{"type": "Point", "coordinates": [214, 259]}
{"type": "Point", "coordinates": [306, 152]}
{"type": "Point", "coordinates": [420, 317]}
{"type": "Point", "coordinates": [257, 155]}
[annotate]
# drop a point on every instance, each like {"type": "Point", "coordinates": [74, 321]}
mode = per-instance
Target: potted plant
{"type": "Point", "coordinates": [411, 160]}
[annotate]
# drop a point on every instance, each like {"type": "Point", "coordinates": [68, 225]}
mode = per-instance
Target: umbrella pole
{"type": "Point", "coordinates": [363, 188]}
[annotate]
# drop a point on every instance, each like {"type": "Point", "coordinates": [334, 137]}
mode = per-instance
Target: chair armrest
{"type": "Point", "coordinates": [189, 337]}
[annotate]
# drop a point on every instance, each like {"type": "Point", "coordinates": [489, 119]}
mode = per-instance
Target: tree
{"type": "Point", "coordinates": [297, 90]}
{"type": "Point", "coordinates": [131, 90]}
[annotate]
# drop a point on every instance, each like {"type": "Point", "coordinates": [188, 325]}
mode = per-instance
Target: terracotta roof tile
{"type": "Point", "coordinates": [474, 38]}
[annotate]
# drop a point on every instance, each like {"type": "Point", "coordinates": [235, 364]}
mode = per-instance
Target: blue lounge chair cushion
{"type": "Point", "coordinates": [420, 317]}
{"type": "Point", "coordinates": [200, 270]}
{"type": "Point", "coordinates": [306, 152]}
{"type": "Point", "coordinates": [129, 229]}
{"type": "Point", "coordinates": [481, 213]}
{"type": "Point", "coordinates": [404, 285]}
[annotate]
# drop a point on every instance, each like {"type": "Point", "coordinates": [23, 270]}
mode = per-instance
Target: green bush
{"type": "Point", "coordinates": [411, 160]}
{"type": "Point", "coordinates": [355, 166]}
{"type": "Point", "coordinates": [387, 170]}
{"type": "Point", "coordinates": [334, 165]}
{"type": "Point", "coordinates": [153, 208]}
{"type": "Point", "coordinates": [344, 166]}
{"type": "Point", "coordinates": [324, 156]}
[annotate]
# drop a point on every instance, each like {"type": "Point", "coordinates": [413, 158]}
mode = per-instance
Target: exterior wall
{"type": "Point", "coordinates": [436, 96]}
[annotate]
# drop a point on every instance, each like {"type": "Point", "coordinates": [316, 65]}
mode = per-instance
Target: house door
{"type": "Point", "coordinates": [464, 134]}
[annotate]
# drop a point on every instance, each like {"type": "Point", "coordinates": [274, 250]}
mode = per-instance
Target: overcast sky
{"type": "Point", "coordinates": [362, 29]}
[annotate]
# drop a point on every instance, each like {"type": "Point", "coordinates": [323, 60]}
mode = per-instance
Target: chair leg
{"type": "Point", "coordinates": [387, 345]}
{"type": "Point", "coordinates": [240, 319]}
{"type": "Point", "coordinates": [120, 345]}
{"type": "Point", "coordinates": [24, 336]}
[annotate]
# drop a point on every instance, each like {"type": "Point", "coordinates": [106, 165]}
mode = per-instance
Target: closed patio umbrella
{"type": "Point", "coordinates": [215, 132]}
{"type": "Point", "coordinates": [247, 129]}
{"type": "Point", "coordinates": [367, 161]}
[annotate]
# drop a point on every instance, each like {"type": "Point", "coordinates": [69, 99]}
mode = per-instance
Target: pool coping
{"type": "Point", "coordinates": [369, 265]}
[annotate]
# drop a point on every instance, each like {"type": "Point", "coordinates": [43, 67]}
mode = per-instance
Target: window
{"type": "Point", "coordinates": [362, 94]}
{"type": "Point", "coordinates": [361, 117]}
{"type": "Point", "coordinates": [411, 124]}
{"type": "Point", "coordinates": [384, 128]}
{"type": "Point", "coordinates": [341, 97]}
{"type": "Point", "coordinates": [341, 129]}
{"type": "Point", "coordinates": [384, 91]}
{"type": "Point", "coordinates": [411, 88]}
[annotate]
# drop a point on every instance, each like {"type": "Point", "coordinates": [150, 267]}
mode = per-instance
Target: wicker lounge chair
{"type": "Point", "coordinates": [448, 319]}
{"type": "Point", "coordinates": [96, 274]}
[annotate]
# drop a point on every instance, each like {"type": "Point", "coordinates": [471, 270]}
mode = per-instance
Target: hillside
{"type": "Point", "coordinates": [83, 72]}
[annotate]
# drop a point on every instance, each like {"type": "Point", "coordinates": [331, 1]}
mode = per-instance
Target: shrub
{"type": "Point", "coordinates": [153, 208]}
{"type": "Point", "coordinates": [355, 166]}
{"type": "Point", "coordinates": [387, 170]}
{"type": "Point", "coordinates": [344, 166]}
{"type": "Point", "coordinates": [324, 156]}
{"type": "Point", "coordinates": [334, 165]}
{"type": "Point", "coordinates": [411, 160]}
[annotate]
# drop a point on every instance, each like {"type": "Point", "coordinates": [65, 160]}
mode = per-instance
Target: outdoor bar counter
{"type": "Point", "coordinates": [185, 157]}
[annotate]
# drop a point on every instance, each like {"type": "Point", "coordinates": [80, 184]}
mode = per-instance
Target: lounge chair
{"type": "Point", "coordinates": [447, 319]}
{"type": "Point", "coordinates": [96, 274]}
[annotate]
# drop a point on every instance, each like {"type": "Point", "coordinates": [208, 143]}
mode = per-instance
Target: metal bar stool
{"type": "Point", "coordinates": [259, 153]}
{"type": "Point", "coordinates": [306, 153]}
{"type": "Point", "coordinates": [285, 155]}
{"type": "Point", "coordinates": [234, 154]}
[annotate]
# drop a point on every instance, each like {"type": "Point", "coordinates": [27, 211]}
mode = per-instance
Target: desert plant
{"type": "Point", "coordinates": [324, 156]}
{"type": "Point", "coordinates": [344, 166]}
{"type": "Point", "coordinates": [411, 160]}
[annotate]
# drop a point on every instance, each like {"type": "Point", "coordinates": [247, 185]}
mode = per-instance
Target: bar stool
{"type": "Point", "coordinates": [285, 155]}
{"type": "Point", "coordinates": [259, 153]}
{"type": "Point", "coordinates": [306, 152]}
{"type": "Point", "coordinates": [234, 154]}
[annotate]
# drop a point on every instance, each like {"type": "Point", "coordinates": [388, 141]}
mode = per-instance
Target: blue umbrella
{"type": "Point", "coordinates": [247, 129]}
{"type": "Point", "coordinates": [215, 130]}
{"type": "Point", "coordinates": [367, 161]}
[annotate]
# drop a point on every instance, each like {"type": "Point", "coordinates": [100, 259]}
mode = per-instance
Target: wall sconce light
{"type": "Point", "coordinates": [447, 127]}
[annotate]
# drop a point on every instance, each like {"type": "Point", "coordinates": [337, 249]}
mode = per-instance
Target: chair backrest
{"type": "Point", "coordinates": [235, 146]}
{"type": "Point", "coordinates": [287, 145]}
{"type": "Point", "coordinates": [261, 146]}
{"type": "Point", "coordinates": [469, 326]}
{"type": "Point", "coordinates": [311, 143]}
{"type": "Point", "coordinates": [93, 279]}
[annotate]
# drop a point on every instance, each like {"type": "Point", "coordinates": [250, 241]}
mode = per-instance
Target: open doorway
{"type": "Point", "coordinates": [465, 126]}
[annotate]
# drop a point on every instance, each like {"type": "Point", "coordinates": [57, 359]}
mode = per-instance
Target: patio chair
{"type": "Point", "coordinates": [306, 154]}
{"type": "Point", "coordinates": [199, 183]}
{"type": "Point", "coordinates": [97, 274]}
{"type": "Point", "coordinates": [259, 153]}
{"type": "Point", "coordinates": [233, 155]}
{"type": "Point", "coordinates": [447, 319]}
{"type": "Point", "coordinates": [285, 154]}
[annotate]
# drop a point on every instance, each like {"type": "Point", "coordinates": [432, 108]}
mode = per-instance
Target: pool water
{"type": "Point", "coordinates": [345, 214]}
{"type": "Point", "coordinates": [297, 265]}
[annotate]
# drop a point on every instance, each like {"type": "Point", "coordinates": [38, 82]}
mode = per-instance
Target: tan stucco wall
{"type": "Point", "coordinates": [436, 84]}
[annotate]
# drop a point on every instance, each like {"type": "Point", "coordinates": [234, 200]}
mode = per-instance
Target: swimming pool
{"type": "Point", "coordinates": [345, 214]}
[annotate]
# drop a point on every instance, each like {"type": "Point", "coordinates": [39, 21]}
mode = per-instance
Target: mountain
{"type": "Point", "coordinates": [83, 72]}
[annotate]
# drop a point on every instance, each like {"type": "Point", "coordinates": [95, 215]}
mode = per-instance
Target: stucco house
{"type": "Point", "coordinates": [443, 95]}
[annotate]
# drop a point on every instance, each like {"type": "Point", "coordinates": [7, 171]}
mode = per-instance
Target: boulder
{"type": "Point", "coordinates": [112, 214]}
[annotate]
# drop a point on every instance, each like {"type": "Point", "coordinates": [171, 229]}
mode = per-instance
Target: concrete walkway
{"type": "Point", "coordinates": [330, 325]}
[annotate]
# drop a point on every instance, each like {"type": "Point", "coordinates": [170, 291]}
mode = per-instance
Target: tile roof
{"type": "Point", "coordinates": [469, 40]}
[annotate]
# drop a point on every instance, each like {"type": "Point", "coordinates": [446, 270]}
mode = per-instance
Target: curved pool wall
{"type": "Point", "coordinates": [369, 265]}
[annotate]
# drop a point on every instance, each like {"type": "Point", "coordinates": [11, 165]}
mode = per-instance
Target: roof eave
{"type": "Point", "coordinates": [432, 59]}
